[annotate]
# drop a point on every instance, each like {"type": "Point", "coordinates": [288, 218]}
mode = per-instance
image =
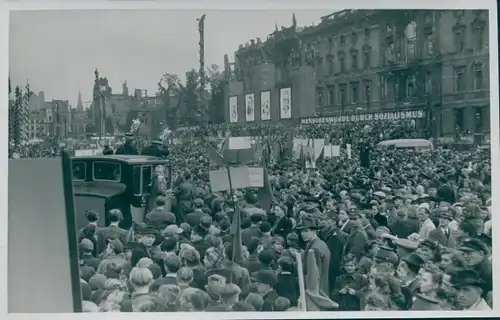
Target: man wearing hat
{"type": "Point", "coordinates": [266, 280]}
{"type": "Point", "coordinates": [159, 218]}
{"type": "Point", "coordinates": [147, 237]}
{"type": "Point", "coordinates": [357, 239]}
{"type": "Point", "coordinates": [127, 148]}
{"type": "Point", "coordinates": [476, 254]}
{"type": "Point", "coordinates": [107, 151]}
{"type": "Point", "coordinates": [156, 149]}
{"type": "Point", "coordinates": [308, 227]}
{"type": "Point", "coordinates": [442, 234]}
{"type": "Point", "coordinates": [469, 291]}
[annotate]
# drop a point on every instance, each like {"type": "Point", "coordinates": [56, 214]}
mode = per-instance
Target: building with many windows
{"type": "Point", "coordinates": [370, 61]}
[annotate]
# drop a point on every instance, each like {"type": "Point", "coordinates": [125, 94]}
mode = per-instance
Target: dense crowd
{"type": "Point", "coordinates": [409, 231]}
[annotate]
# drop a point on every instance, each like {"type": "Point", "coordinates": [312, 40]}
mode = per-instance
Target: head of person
{"type": "Point", "coordinates": [409, 267]}
{"type": "Point", "coordinates": [190, 257]}
{"type": "Point", "coordinates": [355, 219]}
{"type": "Point", "coordinates": [184, 277]}
{"type": "Point", "coordinates": [198, 233]}
{"type": "Point", "coordinates": [308, 227]}
{"type": "Point", "coordinates": [469, 288]}
{"type": "Point", "coordinates": [384, 262]}
{"type": "Point", "coordinates": [427, 249]}
{"type": "Point", "coordinates": [376, 302]}
{"type": "Point", "coordinates": [265, 228]}
{"type": "Point", "coordinates": [169, 293]}
{"type": "Point", "coordinates": [172, 263]}
{"type": "Point", "coordinates": [281, 304]}
{"type": "Point", "coordinates": [115, 216]}
{"type": "Point", "coordinates": [148, 236]}
{"type": "Point", "coordinates": [349, 263]}
{"type": "Point", "coordinates": [140, 279]}
{"type": "Point", "coordinates": [265, 280]}
{"type": "Point", "coordinates": [430, 279]}
{"type": "Point", "coordinates": [474, 252]}
{"type": "Point", "coordinates": [447, 290]}
{"type": "Point", "coordinates": [160, 202]}
{"type": "Point", "coordinates": [255, 300]}
{"type": "Point", "coordinates": [92, 216]}
{"type": "Point", "coordinates": [230, 294]}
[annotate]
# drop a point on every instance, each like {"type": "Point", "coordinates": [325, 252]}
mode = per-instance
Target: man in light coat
{"type": "Point", "coordinates": [308, 227]}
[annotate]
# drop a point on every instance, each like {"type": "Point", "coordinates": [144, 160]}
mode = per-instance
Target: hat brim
{"type": "Point", "coordinates": [469, 249]}
{"type": "Point", "coordinates": [476, 283]}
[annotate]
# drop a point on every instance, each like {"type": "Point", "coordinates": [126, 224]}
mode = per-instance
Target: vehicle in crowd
{"type": "Point", "coordinates": [108, 182]}
{"type": "Point", "coordinates": [415, 144]}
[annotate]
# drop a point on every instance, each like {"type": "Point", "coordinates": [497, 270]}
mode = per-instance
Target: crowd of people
{"type": "Point", "coordinates": [407, 231]}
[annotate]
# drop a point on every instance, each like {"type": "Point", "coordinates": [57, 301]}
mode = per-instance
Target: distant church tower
{"type": "Point", "coordinates": [79, 105]}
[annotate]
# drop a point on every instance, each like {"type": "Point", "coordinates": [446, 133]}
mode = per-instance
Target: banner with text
{"type": "Point", "coordinates": [265, 105]}
{"type": "Point", "coordinates": [233, 109]}
{"type": "Point", "coordinates": [249, 108]}
{"type": "Point", "coordinates": [382, 116]}
{"type": "Point", "coordinates": [285, 103]}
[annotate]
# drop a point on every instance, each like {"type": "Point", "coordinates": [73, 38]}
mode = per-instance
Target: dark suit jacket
{"type": "Point", "coordinates": [248, 233]}
{"type": "Point", "coordinates": [126, 149]}
{"type": "Point", "coordinates": [269, 299]}
{"type": "Point", "coordinates": [160, 219]}
{"type": "Point", "coordinates": [356, 243]}
{"type": "Point", "coordinates": [193, 218]}
{"type": "Point", "coordinates": [109, 232]}
{"type": "Point", "coordinates": [252, 264]}
{"type": "Point", "coordinates": [404, 228]}
{"type": "Point", "coordinates": [288, 287]}
{"type": "Point", "coordinates": [438, 236]}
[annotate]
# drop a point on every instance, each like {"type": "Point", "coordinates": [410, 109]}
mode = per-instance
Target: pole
{"type": "Point", "coordinates": [302, 288]}
{"type": "Point", "coordinates": [201, 30]}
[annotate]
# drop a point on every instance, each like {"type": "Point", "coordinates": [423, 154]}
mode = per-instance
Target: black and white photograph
{"type": "Point", "coordinates": [257, 160]}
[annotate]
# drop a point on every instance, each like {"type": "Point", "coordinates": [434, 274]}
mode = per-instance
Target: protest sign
{"type": "Point", "coordinates": [241, 177]}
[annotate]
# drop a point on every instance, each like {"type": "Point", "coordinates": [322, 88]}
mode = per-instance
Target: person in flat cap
{"type": "Point", "coordinates": [308, 227]}
{"type": "Point", "coordinates": [442, 234]}
{"type": "Point", "coordinates": [146, 239]}
{"type": "Point", "coordinates": [428, 250]}
{"type": "Point", "coordinates": [265, 281]}
{"type": "Point", "coordinates": [476, 257]}
{"type": "Point", "coordinates": [107, 151]}
{"type": "Point", "coordinates": [469, 290]}
{"type": "Point", "coordinates": [357, 239]}
{"type": "Point", "coordinates": [385, 261]}
{"type": "Point", "coordinates": [424, 302]}
{"type": "Point", "coordinates": [127, 148]}
{"type": "Point", "coordinates": [229, 296]}
{"type": "Point", "coordinates": [159, 218]}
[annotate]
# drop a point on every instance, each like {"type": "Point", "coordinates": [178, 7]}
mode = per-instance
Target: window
{"type": "Point", "coordinates": [459, 79]}
{"type": "Point", "coordinates": [342, 94]}
{"type": "Point", "coordinates": [478, 120]}
{"type": "Point", "coordinates": [411, 86]}
{"type": "Point", "coordinates": [368, 88]}
{"type": "Point", "coordinates": [459, 39]}
{"type": "Point", "coordinates": [354, 92]}
{"type": "Point", "coordinates": [342, 41]}
{"type": "Point", "coordinates": [331, 65]}
{"type": "Point", "coordinates": [331, 95]}
{"type": "Point", "coordinates": [319, 96]}
{"type": "Point", "coordinates": [136, 180]}
{"type": "Point", "coordinates": [354, 39]}
{"type": "Point", "coordinates": [330, 43]}
{"type": "Point", "coordinates": [366, 34]}
{"type": "Point", "coordinates": [479, 37]}
{"type": "Point", "coordinates": [429, 44]}
{"type": "Point", "coordinates": [383, 87]}
{"type": "Point", "coordinates": [108, 171]}
{"type": "Point", "coordinates": [79, 170]}
{"type": "Point", "coordinates": [342, 64]}
{"type": "Point", "coordinates": [428, 82]}
{"type": "Point", "coordinates": [147, 178]}
{"type": "Point", "coordinates": [428, 17]}
{"type": "Point", "coordinates": [478, 76]}
{"type": "Point", "coordinates": [354, 57]}
{"type": "Point", "coordinates": [459, 119]}
{"type": "Point", "coordinates": [367, 58]}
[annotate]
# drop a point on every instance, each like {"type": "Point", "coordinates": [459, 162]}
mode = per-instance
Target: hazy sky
{"type": "Point", "coordinates": [58, 51]}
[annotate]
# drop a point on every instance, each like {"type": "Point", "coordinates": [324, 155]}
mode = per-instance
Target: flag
{"type": "Point", "coordinates": [215, 156]}
{"type": "Point", "coordinates": [265, 194]}
{"type": "Point", "coordinates": [302, 157]}
{"type": "Point", "coordinates": [237, 242]}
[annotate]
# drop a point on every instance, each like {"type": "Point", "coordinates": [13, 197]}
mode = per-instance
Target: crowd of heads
{"type": "Point", "coordinates": [410, 231]}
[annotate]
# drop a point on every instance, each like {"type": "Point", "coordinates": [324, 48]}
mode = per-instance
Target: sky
{"type": "Point", "coordinates": [57, 51]}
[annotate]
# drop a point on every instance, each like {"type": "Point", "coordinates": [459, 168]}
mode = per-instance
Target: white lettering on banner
{"type": "Point", "coordinates": [383, 116]}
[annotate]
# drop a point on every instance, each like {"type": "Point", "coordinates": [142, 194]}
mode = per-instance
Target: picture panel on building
{"type": "Point", "coordinates": [233, 109]}
{"type": "Point", "coordinates": [249, 107]}
{"type": "Point", "coordinates": [265, 105]}
{"type": "Point", "coordinates": [286, 103]}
